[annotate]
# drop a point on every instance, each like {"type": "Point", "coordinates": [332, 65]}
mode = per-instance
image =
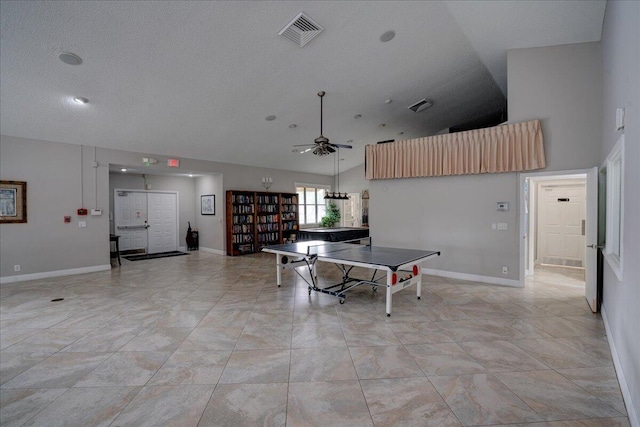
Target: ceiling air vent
{"type": "Point", "coordinates": [421, 105]}
{"type": "Point", "coordinates": [301, 30]}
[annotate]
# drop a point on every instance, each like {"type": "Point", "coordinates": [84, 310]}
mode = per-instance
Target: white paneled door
{"type": "Point", "coordinates": [130, 215]}
{"type": "Point", "coordinates": [146, 220]}
{"type": "Point", "coordinates": [561, 224]}
{"type": "Point", "coordinates": [162, 208]}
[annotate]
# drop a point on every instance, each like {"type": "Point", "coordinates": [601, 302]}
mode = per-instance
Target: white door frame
{"type": "Point", "coordinates": [155, 191]}
{"type": "Point", "coordinates": [524, 233]}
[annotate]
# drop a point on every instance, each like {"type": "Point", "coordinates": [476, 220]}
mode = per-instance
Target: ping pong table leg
{"type": "Point", "coordinates": [419, 284]}
{"type": "Point", "coordinates": [389, 284]}
{"type": "Point", "coordinates": [279, 269]}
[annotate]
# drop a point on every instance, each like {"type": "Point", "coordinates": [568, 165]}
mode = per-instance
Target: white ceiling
{"type": "Point", "coordinates": [197, 79]}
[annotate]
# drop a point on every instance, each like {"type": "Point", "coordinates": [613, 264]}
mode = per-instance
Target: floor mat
{"type": "Point", "coordinates": [153, 256]}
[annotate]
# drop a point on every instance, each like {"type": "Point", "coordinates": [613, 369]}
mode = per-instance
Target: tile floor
{"type": "Point", "coordinates": [208, 340]}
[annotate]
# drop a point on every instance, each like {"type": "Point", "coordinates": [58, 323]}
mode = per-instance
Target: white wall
{"type": "Point", "coordinates": [621, 88]}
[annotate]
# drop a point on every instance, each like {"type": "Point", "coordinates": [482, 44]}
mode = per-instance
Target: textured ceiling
{"type": "Point", "coordinates": [197, 79]}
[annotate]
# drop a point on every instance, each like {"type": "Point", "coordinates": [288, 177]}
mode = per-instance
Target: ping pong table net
{"type": "Point", "coordinates": [326, 248]}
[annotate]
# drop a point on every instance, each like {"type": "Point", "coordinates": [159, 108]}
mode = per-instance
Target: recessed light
{"type": "Point", "coordinates": [270, 118]}
{"type": "Point", "coordinates": [80, 100]}
{"type": "Point", "coordinates": [357, 116]}
{"type": "Point", "coordinates": [388, 101]}
{"type": "Point", "coordinates": [123, 170]}
{"type": "Point", "coordinates": [293, 126]}
{"type": "Point", "coordinates": [70, 58]}
{"type": "Point", "coordinates": [387, 36]}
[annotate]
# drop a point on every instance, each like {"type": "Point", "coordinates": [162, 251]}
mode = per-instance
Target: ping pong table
{"type": "Point", "coordinates": [402, 266]}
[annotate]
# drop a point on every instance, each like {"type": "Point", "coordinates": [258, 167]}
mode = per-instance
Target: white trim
{"type": "Point", "coordinates": [624, 388]}
{"type": "Point", "coordinates": [534, 177]}
{"type": "Point", "coordinates": [56, 273]}
{"type": "Point", "coordinates": [474, 278]}
{"type": "Point", "coordinates": [614, 217]}
{"type": "Point", "coordinates": [212, 251]}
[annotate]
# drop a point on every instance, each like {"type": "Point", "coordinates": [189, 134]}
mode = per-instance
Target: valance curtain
{"type": "Point", "coordinates": [507, 148]}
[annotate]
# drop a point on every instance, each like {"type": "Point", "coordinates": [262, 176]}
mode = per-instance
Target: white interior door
{"type": "Point", "coordinates": [591, 238]}
{"type": "Point", "coordinates": [130, 215]}
{"type": "Point", "coordinates": [561, 226]}
{"type": "Point", "coordinates": [162, 213]}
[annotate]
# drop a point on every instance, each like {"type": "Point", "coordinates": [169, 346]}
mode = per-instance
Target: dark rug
{"type": "Point", "coordinates": [153, 256]}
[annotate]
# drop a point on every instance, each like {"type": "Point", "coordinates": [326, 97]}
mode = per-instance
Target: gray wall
{"type": "Point", "coordinates": [561, 85]}
{"type": "Point", "coordinates": [52, 171]}
{"type": "Point", "coordinates": [54, 189]}
{"type": "Point", "coordinates": [621, 88]}
{"type": "Point", "coordinates": [211, 229]}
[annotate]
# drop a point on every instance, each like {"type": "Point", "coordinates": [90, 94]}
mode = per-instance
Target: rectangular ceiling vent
{"type": "Point", "coordinates": [301, 29]}
{"type": "Point", "coordinates": [421, 105]}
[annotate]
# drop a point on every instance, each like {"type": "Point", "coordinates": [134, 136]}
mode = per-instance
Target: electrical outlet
{"type": "Point", "coordinates": [16, 267]}
{"type": "Point", "coordinates": [82, 224]}
{"type": "Point", "coordinates": [502, 226]}
{"type": "Point", "coordinates": [505, 269]}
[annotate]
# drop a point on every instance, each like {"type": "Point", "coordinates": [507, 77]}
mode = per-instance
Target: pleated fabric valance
{"type": "Point", "coordinates": [506, 148]}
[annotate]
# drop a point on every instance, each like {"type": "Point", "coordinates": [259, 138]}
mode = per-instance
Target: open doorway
{"type": "Point", "coordinates": [559, 223]}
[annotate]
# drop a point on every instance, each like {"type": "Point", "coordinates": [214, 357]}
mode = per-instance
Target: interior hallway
{"type": "Point", "coordinates": [204, 340]}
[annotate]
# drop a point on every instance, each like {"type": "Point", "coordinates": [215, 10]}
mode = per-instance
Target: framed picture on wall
{"type": "Point", "coordinates": [13, 202]}
{"type": "Point", "coordinates": [208, 204]}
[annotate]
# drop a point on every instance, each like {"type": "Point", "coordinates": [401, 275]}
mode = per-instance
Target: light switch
{"type": "Point", "coordinates": [82, 224]}
{"type": "Point", "coordinates": [493, 225]}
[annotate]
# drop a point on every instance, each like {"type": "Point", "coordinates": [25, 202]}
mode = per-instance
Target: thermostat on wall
{"type": "Point", "coordinates": [96, 212]}
{"type": "Point", "coordinates": [503, 206]}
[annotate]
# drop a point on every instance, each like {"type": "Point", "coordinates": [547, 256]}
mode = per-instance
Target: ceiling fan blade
{"type": "Point", "coordinates": [342, 146]}
{"type": "Point", "coordinates": [330, 148]}
{"type": "Point", "coordinates": [304, 145]}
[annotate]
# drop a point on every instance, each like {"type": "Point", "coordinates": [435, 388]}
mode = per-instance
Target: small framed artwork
{"type": "Point", "coordinates": [13, 202]}
{"type": "Point", "coordinates": [208, 204]}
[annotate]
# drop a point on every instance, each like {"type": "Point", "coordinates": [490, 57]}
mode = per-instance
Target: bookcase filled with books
{"type": "Point", "coordinates": [241, 222]}
{"type": "Point", "coordinates": [257, 219]}
{"type": "Point", "coordinates": [267, 220]}
{"type": "Point", "coordinates": [288, 215]}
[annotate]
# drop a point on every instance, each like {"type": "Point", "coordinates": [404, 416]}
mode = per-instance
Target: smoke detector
{"type": "Point", "coordinates": [421, 105]}
{"type": "Point", "coordinates": [301, 29]}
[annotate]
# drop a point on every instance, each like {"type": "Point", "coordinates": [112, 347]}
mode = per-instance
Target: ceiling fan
{"type": "Point", "coordinates": [321, 145]}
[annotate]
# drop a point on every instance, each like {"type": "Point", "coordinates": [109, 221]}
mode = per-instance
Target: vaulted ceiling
{"type": "Point", "coordinates": [198, 79]}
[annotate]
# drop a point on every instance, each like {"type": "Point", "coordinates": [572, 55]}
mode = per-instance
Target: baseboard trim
{"type": "Point", "coordinates": [56, 273]}
{"type": "Point", "coordinates": [473, 278]}
{"type": "Point", "coordinates": [624, 388]}
{"type": "Point", "coordinates": [212, 251]}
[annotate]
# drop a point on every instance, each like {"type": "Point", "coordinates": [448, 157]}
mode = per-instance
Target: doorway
{"type": "Point", "coordinates": [351, 211]}
{"type": "Point", "coordinates": [146, 220]}
{"type": "Point", "coordinates": [559, 225]}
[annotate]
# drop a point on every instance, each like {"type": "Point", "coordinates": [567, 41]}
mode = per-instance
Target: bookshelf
{"type": "Point", "coordinates": [240, 222]}
{"type": "Point", "coordinates": [258, 219]}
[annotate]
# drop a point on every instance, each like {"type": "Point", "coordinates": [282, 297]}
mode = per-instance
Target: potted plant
{"type": "Point", "coordinates": [331, 217]}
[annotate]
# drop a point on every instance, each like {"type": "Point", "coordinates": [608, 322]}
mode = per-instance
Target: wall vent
{"type": "Point", "coordinates": [301, 29]}
{"type": "Point", "coordinates": [421, 105]}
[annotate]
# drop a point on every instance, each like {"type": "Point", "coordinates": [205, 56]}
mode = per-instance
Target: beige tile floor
{"type": "Point", "coordinates": [208, 340]}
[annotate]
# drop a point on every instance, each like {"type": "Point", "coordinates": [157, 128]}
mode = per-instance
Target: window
{"type": "Point", "coordinates": [311, 203]}
{"type": "Point", "coordinates": [614, 170]}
